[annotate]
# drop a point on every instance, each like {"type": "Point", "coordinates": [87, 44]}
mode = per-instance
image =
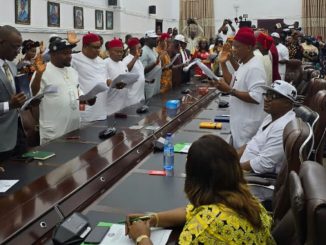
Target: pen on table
{"type": "Point", "coordinates": [131, 220]}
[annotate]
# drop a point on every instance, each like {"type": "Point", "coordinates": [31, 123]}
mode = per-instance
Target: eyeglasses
{"type": "Point", "coordinates": [272, 96]}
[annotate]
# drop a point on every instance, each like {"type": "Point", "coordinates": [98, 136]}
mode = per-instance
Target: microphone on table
{"type": "Point", "coordinates": [144, 108]}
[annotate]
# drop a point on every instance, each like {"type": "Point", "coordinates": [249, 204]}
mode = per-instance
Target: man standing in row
{"type": "Point", "coordinates": [91, 70]}
{"type": "Point", "coordinates": [152, 63]}
{"type": "Point", "coordinates": [59, 112]}
{"type": "Point", "coordinates": [12, 135]}
{"type": "Point", "coordinates": [245, 88]}
{"type": "Point", "coordinates": [136, 91]}
{"type": "Point", "coordinates": [283, 54]}
{"type": "Point", "coordinates": [116, 97]}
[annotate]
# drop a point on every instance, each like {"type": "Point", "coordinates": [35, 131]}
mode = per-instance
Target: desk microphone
{"type": "Point", "coordinates": [144, 108]}
{"type": "Point", "coordinates": [107, 133]}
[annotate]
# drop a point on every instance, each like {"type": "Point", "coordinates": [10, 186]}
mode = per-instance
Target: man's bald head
{"type": "Point", "coordinates": [7, 30]}
{"type": "Point", "coordinates": [10, 42]}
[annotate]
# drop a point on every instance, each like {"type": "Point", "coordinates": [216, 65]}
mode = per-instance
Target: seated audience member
{"type": "Point", "coordinates": [91, 70]}
{"type": "Point", "coordinates": [29, 51]}
{"type": "Point", "coordinates": [117, 97]}
{"type": "Point", "coordinates": [283, 54]}
{"type": "Point", "coordinates": [136, 92]}
{"type": "Point", "coordinates": [59, 112]}
{"type": "Point", "coordinates": [263, 43]}
{"type": "Point", "coordinates": [13, 141]}
{"type": "Point", "coordinates": [152, 63]}
{"type": "Point", "coordinates": [221, 209]}
{"type": "Point", "coordinates": [244, 86]}
{"type": "Point", "coordinates": [264, 152]}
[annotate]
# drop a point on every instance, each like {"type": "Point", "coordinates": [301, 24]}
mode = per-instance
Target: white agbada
{"type": "Point", "coordinates": [283, 54]}
{"type": "Point", "coordinates": [149, 57]}
{"type": "Point", "coordinates": [91, 72]}
{"type": "Point", "coordinates": [265, 150]}
{"type": "Point", "coordinates": [59, 112]}
{"type": "Point", "coordinates": [116, 98]}
{"type": "Point", "coordinates": [268, 66]}
{"type": "Point", "coordinates": [136, 92]}
{"type": "Point", "coordinates": [245, 118]}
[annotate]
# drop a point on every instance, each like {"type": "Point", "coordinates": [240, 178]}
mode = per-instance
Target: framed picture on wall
{"type": "Point", "coordinates": [78, 18]}
{"type": "Point", "coordinates": [23, 12]}
{"type": "Point", "coordinates": [109, 20]}
{"type": "Point", "coordinates": [53, 14]}
{"type": "Point", "coordinates": [99, 23]}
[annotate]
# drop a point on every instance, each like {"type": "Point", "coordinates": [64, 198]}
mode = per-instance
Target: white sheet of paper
{"type": "Point", "coordinates": [153, 73]}
{"type": "Point", "coordinates": [127, 78]}
{"type": "Point", "coordinates": [116, 236]}
{"type": "Point", "coordinates": [98, 88]}
{"type": "Point", "coordinates": [207, 71]}
{"type": "Point", "coordinates": [7, 184]}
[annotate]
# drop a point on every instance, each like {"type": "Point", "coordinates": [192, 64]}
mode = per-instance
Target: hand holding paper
{"type": "Point", "coordinates": [126, 78]}
{"type": "Point", "coordinates": [98, 88]}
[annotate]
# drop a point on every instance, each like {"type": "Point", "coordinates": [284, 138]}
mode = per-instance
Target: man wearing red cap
{"type": "Point", "coordinates": [136, 92]}
{"type": "Point", "coordinates": [263, 44]}
{"type": "Point", "coordinates": [117, 98]}
{"type": "Point", "coordinates": [244, 86]}
{"type": "Point", "coordinates": [91, 70]}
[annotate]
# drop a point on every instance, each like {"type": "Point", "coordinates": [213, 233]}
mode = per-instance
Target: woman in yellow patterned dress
{"type": "Point", "coordinates": [221, 210]}
{"type": "Point", "coordinates": [161, 49]}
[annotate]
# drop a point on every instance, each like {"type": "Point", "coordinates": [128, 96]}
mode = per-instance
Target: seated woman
{"type": "Point", "coordinates": [221, 209]}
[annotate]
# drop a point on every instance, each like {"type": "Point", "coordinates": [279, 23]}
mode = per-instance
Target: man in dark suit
{"type": "Point", "coordinates": [12, 135]}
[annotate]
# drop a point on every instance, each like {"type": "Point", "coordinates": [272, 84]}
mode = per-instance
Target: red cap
{"type": "Point", "coordinates": [265, 40]}
{"type": "Point", "coordinates": [90, 38]}
{"type": "Point", "coordinates": [115, 43]}
{"type": "Point", "coordinates": [132, 42]}
{"type": "Point", "coordinates": [164, 36]}
{"type": "Point", "coordinates": [246, 36]}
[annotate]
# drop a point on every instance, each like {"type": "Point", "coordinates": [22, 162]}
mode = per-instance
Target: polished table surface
{"type": "Point", "coordinates": [86, 171]}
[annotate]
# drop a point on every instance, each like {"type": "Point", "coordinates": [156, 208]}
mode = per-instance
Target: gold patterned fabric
{"type": "Point", "coordinates": [314, 17]}
{"type": "Point", "coordinates": [218, 224]}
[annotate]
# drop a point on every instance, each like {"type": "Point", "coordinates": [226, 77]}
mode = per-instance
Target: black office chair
{"type": "Point", "coordinates": [304, 223]}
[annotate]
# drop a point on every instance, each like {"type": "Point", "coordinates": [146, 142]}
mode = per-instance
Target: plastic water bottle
{"type": "Point", "coordinates": [168, 159]}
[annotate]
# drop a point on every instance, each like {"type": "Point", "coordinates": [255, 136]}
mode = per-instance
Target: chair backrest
{"type": "Point", "coordinates": [297, 142]}
{"type": "Point", "coordinates": [314, 86]}
{"type": "Point", "coordinates": [307, 115]}
{"type": "Point", "coordinates": [305, 222]}
{"type": "Point", "coordinates": [318, 104]}
{"type": "Point", "coordinates": [313, 179]}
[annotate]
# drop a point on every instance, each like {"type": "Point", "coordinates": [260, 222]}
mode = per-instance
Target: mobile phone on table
{"type": "Point", "coordinates": [97, 234]}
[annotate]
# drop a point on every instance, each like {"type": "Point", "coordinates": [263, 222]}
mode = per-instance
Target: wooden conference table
{"type": "Point", "coordinates": [105, 179]}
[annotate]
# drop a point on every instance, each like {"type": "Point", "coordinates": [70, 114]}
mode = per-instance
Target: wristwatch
{"type": "Point", "coordinates": [140, 238]}
{"type": "Point", "coordinates": [232, 92]}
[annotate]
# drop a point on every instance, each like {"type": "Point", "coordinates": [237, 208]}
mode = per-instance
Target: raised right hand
{"type": "Point", "coordinates": [39, 64]}
{"type": "Point", "coordinates": [17, 100]}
